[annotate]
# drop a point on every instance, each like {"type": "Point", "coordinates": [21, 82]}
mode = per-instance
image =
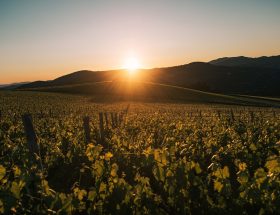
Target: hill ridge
{"type": "Point", "coordinates": [205, 76]}
{"type": "Point", "coordinates": [262, 61]}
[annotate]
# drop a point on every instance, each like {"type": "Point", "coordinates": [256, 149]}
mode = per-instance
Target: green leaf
{"type": "Point", "coordinates": [243, 177]}
{"type": "Point", "coordinates": [260, 176]}
{"type": "Point", "coordinates": [218, 186]}
{"type": "Point", "coordinates": [2, 209]}
{"type": "Point", "coordinates": [273, 165]}
{"type": "Point", "coordinates": [108, 156]}
{"type": "Point", "coordinates": [91, 195]}
{"type": "Point", "coordinates": [197, 168]}
{"type": "Point", "coordinates": [157, 155]}
{"type": "Point", "coordinates": [2, 172]}
{"type": "Point", "coordinates": [261, 211]}
{"type": "Point", "coordinates": [222, 173]}
{"type": "Point", "coordinates": [98, 168]}
{"type": "Point", "coordinates": [158, 172]}
{"type": "Point", "coordinates": [17, 171]}
{"type": "Point", "coordinates": [225, 172]}
{"type": "Point", "coordinates": [114, 170]}
{"type": "Point", "coordinates": [16, 188]}
{"type": "Point", "coordinates": [242, 166]}
{"type": "Point", "coordinates": [102, 187]}
{"type": "Point", "coordinates": [81, 194]}
{"type": "Point", "coordinates": [253, 147]}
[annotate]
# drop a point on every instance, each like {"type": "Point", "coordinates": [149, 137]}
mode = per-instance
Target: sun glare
{"type": "Point", "coordinates": [131, 65]}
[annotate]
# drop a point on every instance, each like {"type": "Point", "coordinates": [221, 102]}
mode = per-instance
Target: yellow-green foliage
{"type": "Point", "coordinates": [164, 158]}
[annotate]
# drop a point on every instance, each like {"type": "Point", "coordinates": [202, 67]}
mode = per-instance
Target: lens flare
{"type": "Point", "coordinates": [131, 65]}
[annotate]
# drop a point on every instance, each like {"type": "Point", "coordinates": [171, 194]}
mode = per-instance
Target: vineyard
{"type": "Point", "coordinates": [136, 158]}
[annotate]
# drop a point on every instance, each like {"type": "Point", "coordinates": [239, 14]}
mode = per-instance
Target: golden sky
{"type": "Point", "coordinates": [41, 40]}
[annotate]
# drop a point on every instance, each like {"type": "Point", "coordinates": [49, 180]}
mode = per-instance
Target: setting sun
{"type": "Point", "coordinates": [131, 65]}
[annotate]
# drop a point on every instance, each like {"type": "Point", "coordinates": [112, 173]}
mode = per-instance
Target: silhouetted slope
{"type": "Point", "coordinates": [85, 76]}
{"type": "Point", "coordinates": [223, 79]}
{"type": "Point", "coordinates": [12, 86]}
{"type": "Point", "coordinates": [264, 62]}
{"type": "Point", "coordinates": [78, 77]}
{"type": "Point", "coordinates": [198, 75]}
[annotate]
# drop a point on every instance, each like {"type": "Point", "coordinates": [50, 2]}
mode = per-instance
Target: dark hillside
{"type": "Point", "coordinates": [263, 62]}
{"type": "Point", "coordinates": [257, 81]}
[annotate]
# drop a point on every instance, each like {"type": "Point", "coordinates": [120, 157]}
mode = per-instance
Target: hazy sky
{"type": "Point", "coordinates": [45, 39]}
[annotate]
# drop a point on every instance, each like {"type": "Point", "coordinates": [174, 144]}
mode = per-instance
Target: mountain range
{"type": "Point", "coordinates": [264, 62]}
{"type": "Point", "coordinates": [230, 75]}
{"type": "Point", "coordinates": [12, 85]}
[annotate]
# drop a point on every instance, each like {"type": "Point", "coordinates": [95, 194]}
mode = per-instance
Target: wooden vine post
{"type": "Point", "coordinates": [86, 129]}
{"type": "Point", "coordinates": [252, 116]}
{"type": "Point", "coordinates": [106, 120]}
{"type": "Point", "coordinates": [116, 119]}
{"type": "Point", "coordinates": [30, 135]}
{"type": "Point", "coordinates": [101, 128]}
{"type": "Point", "coordinates": [121, 118]}
{"type": "Point", "coordinates": [127, 108]}
{"type": "Point", "coordinates": [232, 115]}
{"type": "Point", "coordinates": [219, 114]}
{"type": "Point", "coordinates": [112, 120]}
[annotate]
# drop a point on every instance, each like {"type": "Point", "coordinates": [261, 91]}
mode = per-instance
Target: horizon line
{"type": "Point", "coordinates": [150, 68]}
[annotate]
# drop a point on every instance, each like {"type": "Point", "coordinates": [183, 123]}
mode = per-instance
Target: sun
{"type": "Point", "coordinates": [131, 65]}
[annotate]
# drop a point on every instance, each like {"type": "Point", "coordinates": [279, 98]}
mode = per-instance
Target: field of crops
{"type": "Point", "coordinates": [157, 158]}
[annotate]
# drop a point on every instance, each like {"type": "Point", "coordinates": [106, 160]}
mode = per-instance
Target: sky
{"type": "Point", "coordinates": [41, 40]}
